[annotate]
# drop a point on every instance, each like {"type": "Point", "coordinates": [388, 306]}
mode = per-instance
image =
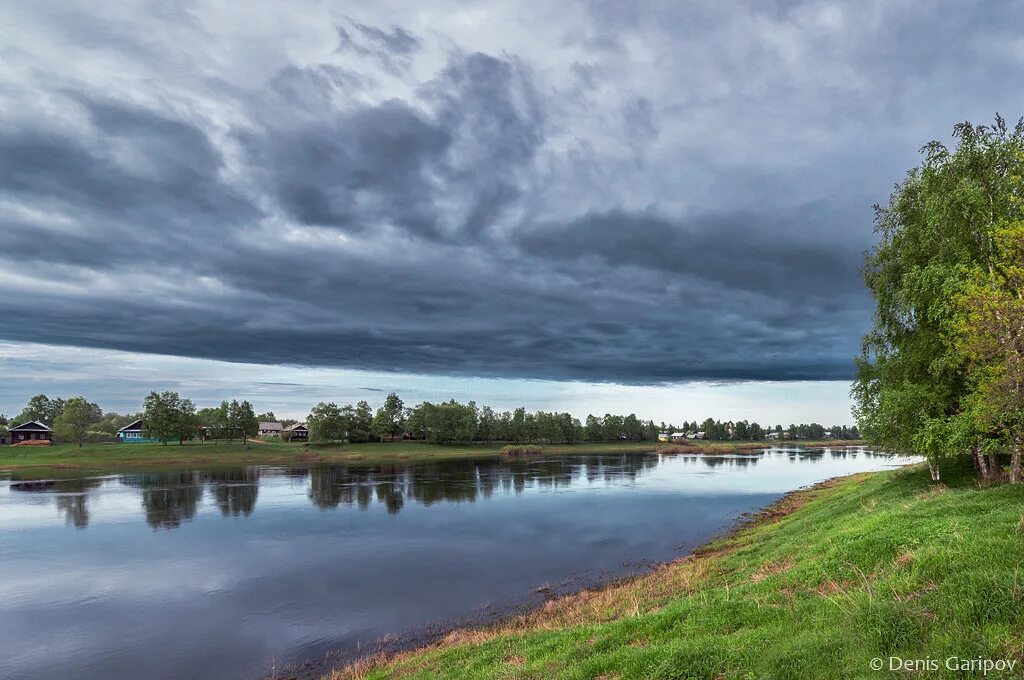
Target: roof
{"type": "Point", "coordinates": [296, 426]}
{"type": "Point", "coordinates": [137, 425]}
{"type": "Point", "coordinates": [32, 425]}
{"type": "Point", "coordinates": [270, 426]}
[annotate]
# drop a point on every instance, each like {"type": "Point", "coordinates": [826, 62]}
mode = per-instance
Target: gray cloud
{"type": "Point", "coordinates": [392, 49]}
{"type": "Point", "coordinates": [640, 194]}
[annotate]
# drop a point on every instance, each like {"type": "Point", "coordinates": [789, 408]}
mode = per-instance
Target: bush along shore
{"type": "Point", "coordinates": [859, 573]}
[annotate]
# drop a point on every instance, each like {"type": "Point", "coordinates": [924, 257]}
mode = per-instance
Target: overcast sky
{"type": "Point", "coordinates": [622, 205]}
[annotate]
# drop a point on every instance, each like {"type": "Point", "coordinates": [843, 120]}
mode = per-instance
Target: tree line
{"type": "Point", "coordinates": [452, 422]}
{"type": "Point", "coordinates": [941, 373]}
{"type": "Point", "coordinates": [166, 417]}
{"type": "Point", "coordinates": [169, 417]}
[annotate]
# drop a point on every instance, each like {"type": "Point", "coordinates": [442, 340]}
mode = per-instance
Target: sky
{"type": "Point", "coordinates": [650, 207]}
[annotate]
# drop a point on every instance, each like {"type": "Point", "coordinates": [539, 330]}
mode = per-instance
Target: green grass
{"type": "Point", "coordinates": [118, 456]}
{"type": "Point", "coordinates": [874, 565]}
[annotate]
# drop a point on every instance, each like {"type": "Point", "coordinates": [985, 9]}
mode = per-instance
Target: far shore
{"type": "Point", "coordinates": [113, 456]}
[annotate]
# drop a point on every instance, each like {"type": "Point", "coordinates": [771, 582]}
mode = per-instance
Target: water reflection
{"type": "Point", "coordinates": [170, 498]}
{"type": "Point", "coordinates": [211, 573]}
{"type": "Point", "coordinates": [235, 490]}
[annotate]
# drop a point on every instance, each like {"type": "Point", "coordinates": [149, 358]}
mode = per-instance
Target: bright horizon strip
{"type": "Point", "coordinates": [118, 381]}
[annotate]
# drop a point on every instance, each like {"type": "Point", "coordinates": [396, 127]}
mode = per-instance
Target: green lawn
{"type": "Point", "coordinates": [117, 456]}
{"type": "Point", "coordinates": [872, 566]}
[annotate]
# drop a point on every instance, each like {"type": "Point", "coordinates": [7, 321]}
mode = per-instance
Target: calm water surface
{"type": "Point", "coordinates": [214, 573]}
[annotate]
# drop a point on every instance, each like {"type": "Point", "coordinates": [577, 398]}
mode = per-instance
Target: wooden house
{"type": "Point", "coordinates": [33, 430]}
{"type": "Point", "coordinates": [270, 429]}
{"type": "Point", "coordinates": [132, 434]}
{"type": "Point", "coordinates": [297, 432]}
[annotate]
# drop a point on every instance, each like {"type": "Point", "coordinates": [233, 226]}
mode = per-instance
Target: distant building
{"type": "Point", "coordinates": [270, 429]}
{"type": "Point", "coordinates": [773, 435]}
{"type": "Point", "coordinates": [695, 435]}
{"type": "Point", "coordinates": [33, 430]}
{"type": "Point", "coordinates": [663, 436]}
{"type": "Point", "coordinates": [295, 432]}
{"type": "Point", "coordinates": [132, 434]}
{"type": "Point", "coordinates": [678, 436]}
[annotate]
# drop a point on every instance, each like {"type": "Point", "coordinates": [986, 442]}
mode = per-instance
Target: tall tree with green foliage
{"type": "Point", "coordinates": [188, 421]}
{"type": "Point", "coordinates": [394, 408]}
{"type": "Point", "coordinates": [326, 423]}
{"type": "Point", "coordinates": [41, 408]}
{"type": "Point", "coordinates": [380, 428]}
{"type": "Point", "coordinates": [359, 421]}
{"type": "Point", "coordinates": [166, 416]}
{"type": "Point", "coordinates": [913, 377]}
{"type": "Point", "coordinates": [74, 420]}
{"type": "Point", "coordinates": [215, 418]}
{"type": "Point", "coordinates": [242, 419]}
{"type": "Point", "coordinates": [992, 338]}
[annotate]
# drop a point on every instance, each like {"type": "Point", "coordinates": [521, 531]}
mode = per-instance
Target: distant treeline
{"type": "Point", "coordinates": [167, 417]}
{"type": "Point", "coordinates": [452, 422]}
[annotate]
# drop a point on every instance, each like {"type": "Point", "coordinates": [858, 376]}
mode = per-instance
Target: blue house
{"type": "Point", "coordinates": [132, 434]}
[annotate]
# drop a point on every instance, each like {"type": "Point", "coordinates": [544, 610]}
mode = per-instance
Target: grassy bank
{"type": "Point", "coordinates": [874, 565]}
{"type": "Point", "coordinates": [116, 456]}
{"type": "Point", "coordinates": [110, 456]}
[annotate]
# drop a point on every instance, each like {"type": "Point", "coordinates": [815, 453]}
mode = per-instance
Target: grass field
{"type": "Point", "coordinates": [871, 566]}
{"type": "Point", "coordinates": [117, 456]}
{"type": "Point", "coordinates": [111, 456]}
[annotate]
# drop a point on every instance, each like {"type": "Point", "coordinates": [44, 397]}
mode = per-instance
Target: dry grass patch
{"type": "Point", "coordinates": [770, 569]}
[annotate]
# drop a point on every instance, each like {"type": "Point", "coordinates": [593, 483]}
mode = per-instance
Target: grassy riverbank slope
{"type": "Point", "coordinates": [874, 565]}
{"type": "Point", "coordinates": [118, 456]}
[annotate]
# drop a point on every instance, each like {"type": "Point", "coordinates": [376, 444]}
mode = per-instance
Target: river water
{"type": "Point", "coordinates": [223, 572]}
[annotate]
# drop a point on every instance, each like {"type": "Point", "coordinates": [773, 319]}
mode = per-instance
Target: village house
{"type": "Point", "coordinates": [132, 434]}
{"type": "Point", "coordinates": [270, 429]}
{"type": "Point", "coordinates": [30, 431]}
{"type": "Point", "coordinates": [295, 432]}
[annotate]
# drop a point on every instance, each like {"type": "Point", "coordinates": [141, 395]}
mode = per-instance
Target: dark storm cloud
{"type": "Point", "coordinates": [636, 193]}
{"type": "Point", "coordinates": [139, 189]}
{"type": "Point", "coordinates": [433, 173]}
{"type": "Point", "coordinates": [739, 251]}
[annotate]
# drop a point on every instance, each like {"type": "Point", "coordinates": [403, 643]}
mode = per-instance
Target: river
{"type": "Point", "coordinates": [223, 572]}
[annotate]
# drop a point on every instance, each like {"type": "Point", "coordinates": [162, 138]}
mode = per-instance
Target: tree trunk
{"type": "Point", "coordinates": [976, 459]}
{"type": "Point", "coordinates": [995, 470]}
{"type": "Point", "coordinates": [934, 469]}
{"type": "Point", "coordinates": [981, 460]}
{"type": "Point", "coordinates": [1015, 471]}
